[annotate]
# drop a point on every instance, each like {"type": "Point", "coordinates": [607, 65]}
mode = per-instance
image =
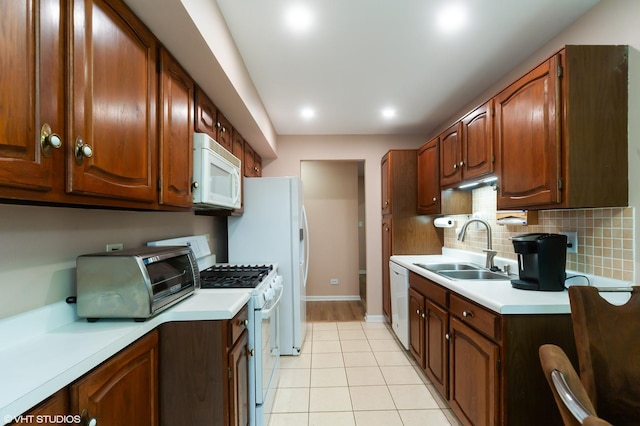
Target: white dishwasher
{"type": "Point", "coordinates": [400, 302]}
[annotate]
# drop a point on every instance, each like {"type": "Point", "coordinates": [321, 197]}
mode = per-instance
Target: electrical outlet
{"type": "Point", "coordinates": [114, 246]}
{"type": "Point", "coordinates": [572, 241]}
{"type": "Point", "coordinates": [333, 281]}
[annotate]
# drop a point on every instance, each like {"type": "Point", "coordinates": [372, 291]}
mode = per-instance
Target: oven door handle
{"type": "Point", "coordinates": [267, 313]}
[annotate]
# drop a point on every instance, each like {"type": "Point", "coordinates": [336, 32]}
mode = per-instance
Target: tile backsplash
{"type": "Point", "coordinates": [605, 235]}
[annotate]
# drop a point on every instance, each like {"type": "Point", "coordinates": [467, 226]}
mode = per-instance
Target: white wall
{"type": "Point", "coordinates": [39, 246]}
{"type": "Point", "coordinates": [293, 149]}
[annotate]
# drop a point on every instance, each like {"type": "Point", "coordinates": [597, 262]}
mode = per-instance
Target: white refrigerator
{"type": "Point", "coordinates": [273, 229]}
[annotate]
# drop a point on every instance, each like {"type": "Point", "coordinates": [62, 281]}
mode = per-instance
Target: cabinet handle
{"type": "Point", "coordinates": [418, 311]}
{"type": "Point", "coordinates": [467, 314]}
{"type": "Point", "coordinates": [217, 125]}
{"type": "Point", "coordinates": [423, 315]}
{"type": "Point", "coordinates": [252, 352]}
{"type": "Point", "coordinates": [48, 140]}
{"type": "Point", "coordinates": [455, 166]}
{"type": "Point", "coordinates": [82, 150]}
{"type": "Point", "coordinates": [462, 164]}
{"type": "Point", "coordinates": [245, 322]}
{"type": "Point", "coordinates": [435, 199]}
{"type": "Point", "coordinates": [195, 185]}
{"type": "Point", "coordinates": [447, 336]}
{"type": "Point", "coordinates": [86, 421]}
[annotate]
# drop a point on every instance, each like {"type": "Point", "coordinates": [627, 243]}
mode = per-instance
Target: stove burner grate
{"type": "Point", "coordinates": [234, 276]}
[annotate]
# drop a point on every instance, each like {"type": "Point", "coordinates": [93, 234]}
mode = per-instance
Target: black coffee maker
{"type": "Point", "coordinates": [541, 261]}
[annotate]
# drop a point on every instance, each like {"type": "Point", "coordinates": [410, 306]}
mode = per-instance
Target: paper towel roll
{"type": "Point", "coordinates": [444, 222]}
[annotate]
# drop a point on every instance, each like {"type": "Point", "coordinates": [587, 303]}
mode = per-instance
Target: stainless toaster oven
{"type": "Point", "coordinates": [135, 283]}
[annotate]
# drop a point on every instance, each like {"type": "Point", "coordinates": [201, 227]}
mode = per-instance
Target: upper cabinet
{"type": "Point", "coordinates": [224, 132]}
{"type": "Point", "coordinates": [176, 135]}
{"type": "Point", "coordinates": [206, 114]}
{"type": "Point", "coordinates": [31, 95]}
{"type": "Point", "coordinates": [561, 132]}
{"type": "Point", "coordinates": [466, 148]}
{"type": "Point", "coordinates": [111, 149]}
{"type": "Point", "coordinates": [428, 178]}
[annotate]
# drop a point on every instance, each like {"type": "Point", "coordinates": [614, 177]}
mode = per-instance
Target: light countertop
{"type": "Point", "coordinates": [44, 350]}
{"type": "Point", "coordinates": [499, 295]}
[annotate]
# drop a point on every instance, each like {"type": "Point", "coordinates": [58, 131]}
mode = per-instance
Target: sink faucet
{"type": "Point", "coordinates": [490, 252]}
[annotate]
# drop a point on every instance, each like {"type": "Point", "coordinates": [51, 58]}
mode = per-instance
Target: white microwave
{"type": "Point", "coordinates": [216, 175]}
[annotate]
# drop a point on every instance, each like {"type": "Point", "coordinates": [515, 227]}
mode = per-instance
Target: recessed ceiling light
{"type": "Point", "coordinates": [307, 113]}
{"type": "Point", "coordinates": [299, 18]}
{"type": "Point", "coordinates": [452, 17]}
{"type": "Point", "coordinates": [388, 113]}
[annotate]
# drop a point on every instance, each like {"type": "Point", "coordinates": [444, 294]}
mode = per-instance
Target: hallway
{"type": "Point", "coordinates": [355, 373]}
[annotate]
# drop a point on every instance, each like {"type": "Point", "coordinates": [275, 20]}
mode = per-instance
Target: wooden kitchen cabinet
{"type": "Point", "coordinates": [49, 411]}
{"type": "Point", "coordinates": [451, 155]}
{"type": "Point", "coordinates": [429, 323]}
{"type": "Point", "coordinates": [466, 148]}
{"type": "Point", "coordinates": [485, 364]}
{"type": "Point", "coordinates": [561, 132]}
{"type": "Point", "coordinates": [204, 372]}
{"type": "Point", "coordinates": [429, 178]}
{"type": "Point", "coordinates": [474, 378]}
{"type": "Point", "coordinates": [224, 132]}
{"type": "Point", "coordinates": [176, 133]}
{"type": "Point", "coordinates": [431, 200]}
{"type": "Point", "coordinates": [403, 230]}
{"type": "Point", "coordinates": [123, 389]}
{"type": "Point", "coordinates": [113, 88]}
{"type": "Point", "coordinates": [206, 114]}
{"type": "Point", "coordinates": [252, 162]}
{"type": "Point", "coordinates": [32, 95]}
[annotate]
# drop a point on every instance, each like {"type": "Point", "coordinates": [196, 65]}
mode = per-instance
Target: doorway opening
{"type": "Point", "coordinates": [334, 200]}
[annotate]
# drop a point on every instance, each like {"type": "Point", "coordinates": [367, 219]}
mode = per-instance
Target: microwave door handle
{"type": "Point", "coordinates": [237, 185]}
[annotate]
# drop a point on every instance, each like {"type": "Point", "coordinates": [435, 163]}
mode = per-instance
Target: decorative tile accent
{"type": "Point", "coordinates": [605, 235]}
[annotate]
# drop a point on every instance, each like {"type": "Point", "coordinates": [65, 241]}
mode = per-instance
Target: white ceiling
{"type": "Point", "coordinates": [360, 56]}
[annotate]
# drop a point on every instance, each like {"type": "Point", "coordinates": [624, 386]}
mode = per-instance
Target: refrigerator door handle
{"type": "Point", "coordinates": [305, 233]}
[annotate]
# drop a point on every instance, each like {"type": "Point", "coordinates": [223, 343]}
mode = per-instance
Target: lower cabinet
{"type": "Point", "coordinates": [204, 372]}
{"type": "Point", "coordinates": [123, 390]}
{"type": "Point", "coordinates": [474, 376]}
{"type": "Point", "coordinates": [52, 411]}
{"type": "Point", "coordinates": [485, 364]}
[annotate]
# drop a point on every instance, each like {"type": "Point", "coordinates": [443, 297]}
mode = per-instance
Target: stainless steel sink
{"type": "Point", "coordinates": [480, 274]}
{"type": "Point", "coordinates": [436, 267]}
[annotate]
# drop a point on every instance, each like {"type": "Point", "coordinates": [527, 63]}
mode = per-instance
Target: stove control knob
{"type": "Point", "coordinates": [268, 294]}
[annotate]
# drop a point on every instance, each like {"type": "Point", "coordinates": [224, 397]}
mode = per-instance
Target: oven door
{"type": "Point", "coordinates": [267, 354]}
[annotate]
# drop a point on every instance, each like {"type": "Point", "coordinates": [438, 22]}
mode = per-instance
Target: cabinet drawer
{"type": "Point", "coordinates": [477, 317]}
{"type": "Point", "coordinates": [238, 324]}
{"type": "Point", "coordinates": [429, 289]}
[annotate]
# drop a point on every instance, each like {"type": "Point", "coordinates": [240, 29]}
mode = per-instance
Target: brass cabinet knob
{"type": "Point", "coordinates": [49, 140]}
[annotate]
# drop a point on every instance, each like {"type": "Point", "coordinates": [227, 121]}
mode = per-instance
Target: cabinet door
{"type": "Point", "coordinates": [477, 142]}
{"type": "Point", "coordinates": [176, 135]}
{"type": "Point", "coordinates": [416, 326]}
{"type": "Point", "coordinates": [123, 390]}
{"type": "Point", "coordinates": [387, 238]}
{"type": "Point", "coordinates": [206, 114]}
{"type": "Point", "coordinates": [32, 94]}
{"type": "Point", "coordinates": [224, 132]}
{"type": "Point", "coordinates": [436, 346]}
{"type": "Point", "coordinates": [257, 164]}
{"type": "Point", "coordinates": [429, 178]}
{"type": "Point", "coordinates": [450, 156]}
{"type": "Point", "coordinates": [113, 91]}
{"type": "Point", "coordinates": [528, 130]}
{"type": "Point", "coordinates": [248, 161]}
{"type": "Point", "coordinates": [55, 405]}
{"type": "Point", "coordinates": [385, 175]}
{"type": "Point", "coordinates": [474, 380]}
{"type": "Point", "coordinates": [239, 383]}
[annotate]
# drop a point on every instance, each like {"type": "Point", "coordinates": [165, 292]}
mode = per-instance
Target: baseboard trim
{"type": "Point", "coordinates": [332, 298]}
{"type": "Point", "coordinates": [374, 318]}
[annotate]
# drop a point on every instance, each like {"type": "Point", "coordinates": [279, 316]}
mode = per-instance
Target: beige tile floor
{"type": "Point", "coordinates": [355, 373]}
